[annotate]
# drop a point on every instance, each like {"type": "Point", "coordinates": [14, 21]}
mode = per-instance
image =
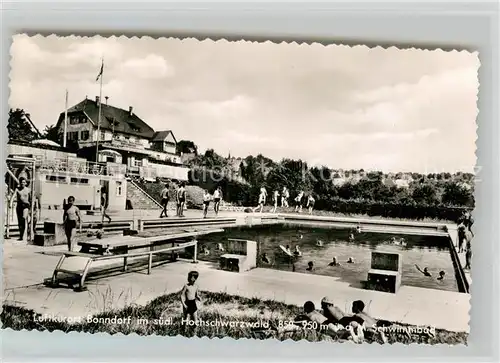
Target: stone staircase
{"type": "Point", "coordinates": [139, 198]}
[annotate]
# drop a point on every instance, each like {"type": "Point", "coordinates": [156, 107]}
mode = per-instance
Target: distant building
{"type": "Point", "coordinates": [123, 138]}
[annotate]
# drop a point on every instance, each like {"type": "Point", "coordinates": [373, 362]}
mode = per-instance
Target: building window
{"type": "Point", "coordinates": [103, 135]}
{"type": "Point", "coordinates": [85, 135]}
{"type": "Point", "coordinates": [137, 162]}
{"type": "Point", "coordinates": [119, 190]}
{"type": "Point", "coordinates": [55, 178]}
{"type": "Point", "coordinates": [73, 120]}
{"type": "Point", "coordinates": [79, 181]}
{"type": "Point", "coordinates": [73, 135]}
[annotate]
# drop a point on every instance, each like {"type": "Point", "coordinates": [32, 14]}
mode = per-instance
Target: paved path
{"type": "Point", "coordinates": [441, 309]}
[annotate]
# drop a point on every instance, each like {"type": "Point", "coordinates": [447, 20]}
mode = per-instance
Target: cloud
{"type": "Point", "coordinates": [150, 67]}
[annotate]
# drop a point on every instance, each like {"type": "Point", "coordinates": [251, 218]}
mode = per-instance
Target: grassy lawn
{"type": "Point", "coordinates": [162, 317]}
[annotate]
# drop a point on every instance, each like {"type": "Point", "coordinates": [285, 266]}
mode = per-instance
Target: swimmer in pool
{"type": "Point", "coordinates": [441, 275]}
{"type": "Point", "coordinates": [205, 250]}
{"type": "Point", "coordinates": [350, 260]}
{"type": "Point", "coordinates": [425, 271]}
{"type": "Point", "coordinates": [310, 266]}
{"type": "Point", "coordinates": [351, 237]}
{"type": "Point", "coordinates": [358, 229]}
{"type": "Point", "coordinates": [334, 262]}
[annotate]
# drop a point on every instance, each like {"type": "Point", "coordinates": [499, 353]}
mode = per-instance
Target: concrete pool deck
{"type": "Point", "coordinates": [440, 309]}
{"type": "Point", "coordinates": [26, 266]}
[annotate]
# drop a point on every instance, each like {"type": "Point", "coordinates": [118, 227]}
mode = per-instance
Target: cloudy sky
{"type": "Point", "coordinates": [344, 107]}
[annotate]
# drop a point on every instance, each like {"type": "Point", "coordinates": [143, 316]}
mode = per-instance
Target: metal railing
{"type": "Point", "coordinates": [82, 166]}
{"type": "Point", "coordinates": [70, 165]}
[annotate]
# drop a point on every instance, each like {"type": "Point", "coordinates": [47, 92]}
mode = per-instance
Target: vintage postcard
{"type": "Point", "coordinates": [240, 189]}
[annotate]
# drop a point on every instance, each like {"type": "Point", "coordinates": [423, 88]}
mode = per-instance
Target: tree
{"type": "Point", "coordinates": [52, 133]}
{"type": "Point", "coordinates": [20, 126]}
{"type": "Point", "coordinates": [186, 147]}
{"type": "Point", "coordinates": [456, 194]}
{"type": "Point", "coordinates": [425, 194]}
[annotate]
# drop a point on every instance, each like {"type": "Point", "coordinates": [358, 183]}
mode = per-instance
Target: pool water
{"type": "Point", "coordinates": [424, 251]}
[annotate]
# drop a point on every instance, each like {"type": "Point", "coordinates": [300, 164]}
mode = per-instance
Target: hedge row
{"type": "Point", "coordinates": [393, 210]}
{"type": "Point", "coordinates": [245, 195]}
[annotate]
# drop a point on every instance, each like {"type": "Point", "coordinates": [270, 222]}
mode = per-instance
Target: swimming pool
{"type": "Point", "coordinates": [424, 251]}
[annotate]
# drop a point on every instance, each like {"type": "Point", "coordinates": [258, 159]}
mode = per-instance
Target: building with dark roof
{"type": "Point", "coordinates": [122, 137]}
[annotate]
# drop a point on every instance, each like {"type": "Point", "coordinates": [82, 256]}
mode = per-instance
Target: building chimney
{"type": "Point", "coordinates": [106, 97]}
{"type": "Point", "coordinates": [97, 100]}
{"type": "Point", "coordinates": [130, 109]}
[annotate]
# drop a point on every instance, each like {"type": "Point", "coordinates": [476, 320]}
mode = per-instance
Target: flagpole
{"type": "Point", "coordinates": [99, 116]}
{"type": "Point", "coordinates": [65, 119]}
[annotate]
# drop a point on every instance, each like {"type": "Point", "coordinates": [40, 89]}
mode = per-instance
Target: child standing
{"type": "Point", "coordinates": [190, 297]}
{"type": "Point", "coordinates": [181, 200]}
{"type": "Point", "coordinates": [71, 218]}
{"type": "Point", "coordinates": [217, 199]}
{"type": "Point", "coordinates": [206, 202]}
{"type": "Point", "coordinates": [276, 194]}
{"type": "Point", "coordinates": [310, 203]}
{"type": "Point", "coordinates": [164, 194]}
{"type": "Point", "coordinates": [284, 197]}
{"type": "Point", "coordinates": [298, 202]}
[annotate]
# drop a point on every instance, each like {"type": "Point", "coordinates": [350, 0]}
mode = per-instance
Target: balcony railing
{"type": "Point", "coordinates": [69, 165]}
{"type": "Point", "coordinates": [82, 166]}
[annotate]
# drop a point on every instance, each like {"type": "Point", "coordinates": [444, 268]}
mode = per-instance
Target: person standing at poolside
{"type": "Point", "coordinates": [71, 219]}
{"type": "Point", "coordinates": [181, 200]}
{"type": "Point", "coordinates": [206, 202]}
{"type": "Point", "coordinates": [104, 205]}
{"type": "Point", "coordinates": [36, 214]}
{"type": "Point", "coordinates": [468, 255]}
{"type": "Point", "coordinates": [217, 199]}
{"type": "Point", "coordinates": [310, 203]}
{"type": "Point", "coordinates": [276, 195]}
{"type": "Point", "coordinates": [165, 197]}
{"type": "Point", "coordinates": [23, 199]}
{"type": "Point", "coordinates": [298, 202]}
{"type": "Point", "coordinates": [262, 200]}
{"type": "Point", "coordinates": [469, 221]}
{"type": "Point", "coordinates": [190, 298]}
{"type": "Point", "coordinates": [284, 197]}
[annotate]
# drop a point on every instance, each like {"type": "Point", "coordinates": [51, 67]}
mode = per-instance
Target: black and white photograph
{"type": "Point", "coordinates": [240, 189]}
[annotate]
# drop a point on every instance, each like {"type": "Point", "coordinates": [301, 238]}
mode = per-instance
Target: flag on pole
{"type": "Point", "coordinates": [100, 72]}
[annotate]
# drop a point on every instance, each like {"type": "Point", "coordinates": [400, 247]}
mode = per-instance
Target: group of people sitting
{"type": "Point", "coordinates": [331, 319]}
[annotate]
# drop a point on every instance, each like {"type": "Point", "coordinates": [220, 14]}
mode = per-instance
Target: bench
{"type": "Point", "coordinates": [77, 264]}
